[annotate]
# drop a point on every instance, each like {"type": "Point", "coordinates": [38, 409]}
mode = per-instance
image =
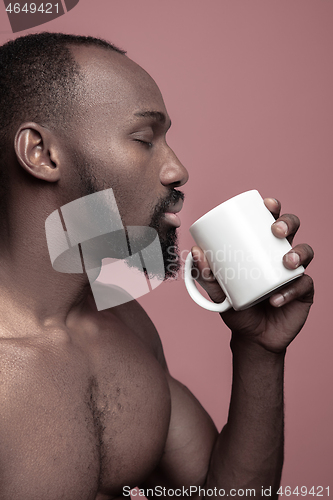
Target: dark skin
{"type": "Point", "coordinates": [88, 405]}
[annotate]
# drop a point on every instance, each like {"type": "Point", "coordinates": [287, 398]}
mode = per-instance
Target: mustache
{"type": "Point", "coordinates": [169, 201]}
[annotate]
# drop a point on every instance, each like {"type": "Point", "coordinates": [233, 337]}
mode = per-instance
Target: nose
{"type": "Point", "coordinates": [173, 173]}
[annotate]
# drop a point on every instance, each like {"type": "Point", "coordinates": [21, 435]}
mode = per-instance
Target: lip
{"type": "Point", "coordinates": [170, 215]}
{"type": "Point", "coordinates": [175, 208]}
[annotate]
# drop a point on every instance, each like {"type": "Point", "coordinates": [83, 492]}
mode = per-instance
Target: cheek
{"type": "Point", "coordinates": [135, 203]}
{"type": "Point", "coordinates": [135, 183]}
{"type": "Point", "coordinates": [129, 172]}
{"type": "Point", "coordinates": [136, 195]}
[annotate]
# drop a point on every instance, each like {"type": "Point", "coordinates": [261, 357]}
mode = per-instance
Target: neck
{"type": "Point", "coordinates": [31, 290]}
{"type": "Point", "coordinates": [34, 292]}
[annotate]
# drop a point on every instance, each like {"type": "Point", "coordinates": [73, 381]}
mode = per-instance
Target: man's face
{"type": "Point", "coordinates": [119, 141]}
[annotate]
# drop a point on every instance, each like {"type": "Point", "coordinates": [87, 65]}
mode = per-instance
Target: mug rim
{"type": "Point", "coordinates": [223, 203]}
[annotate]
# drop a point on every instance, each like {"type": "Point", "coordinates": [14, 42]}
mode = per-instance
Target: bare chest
{"type": "Point", "coordinates": [84, 428]}
{"type": "Point", "coordinates": [130, 408]}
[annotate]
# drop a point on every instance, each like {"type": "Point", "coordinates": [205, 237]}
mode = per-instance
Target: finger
{"type": "Point", "coordinates": [300, 255]}
{"type": "Point", "coordinates": [300, 289]}
{"type": "Point", "coordinates": [274, 206]}
{"type": "Point", "coordinates": [286, 226]}
{"type": "Point", "coordinates": [201, 271]}
{"type": "Point", "coordinates": [204, 275]}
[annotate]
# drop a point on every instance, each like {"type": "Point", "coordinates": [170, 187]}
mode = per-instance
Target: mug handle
{"type": "Point", "coordinates": [196, 295]}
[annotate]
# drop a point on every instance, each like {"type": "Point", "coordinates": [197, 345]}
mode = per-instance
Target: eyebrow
{"type": "Point", "coordinates": [157, 116]}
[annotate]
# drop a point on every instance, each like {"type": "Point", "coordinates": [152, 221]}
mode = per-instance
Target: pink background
{"type": "Point", "coordinates": [248, 85]}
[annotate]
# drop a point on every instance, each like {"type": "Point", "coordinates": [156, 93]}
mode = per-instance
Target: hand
{"type": "Point", "coordinates": [275, 322]}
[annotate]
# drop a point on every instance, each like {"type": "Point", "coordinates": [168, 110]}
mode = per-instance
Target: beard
{"type": "Point", "coordinates": [168, 238]}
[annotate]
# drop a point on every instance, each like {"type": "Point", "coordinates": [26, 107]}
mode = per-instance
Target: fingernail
{"type": "Point", "coordinates": [277, 300]}
{"type": "Point", "coordinates": [282, 227]}
{"type": "Point", "coordinates": [195, 254]}
{"type": "Point", "coordinates": [293, 259]}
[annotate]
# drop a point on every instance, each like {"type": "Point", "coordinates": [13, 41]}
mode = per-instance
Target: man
{"type": "Point", "coordinates": [88, 408]}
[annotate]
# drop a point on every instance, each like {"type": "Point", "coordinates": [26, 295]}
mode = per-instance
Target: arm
{"type": "Point", "coordinates": [248, 454]}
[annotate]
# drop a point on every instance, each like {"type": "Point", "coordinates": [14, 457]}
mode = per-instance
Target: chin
{"type": "Point", "coordinates": [170, 252]}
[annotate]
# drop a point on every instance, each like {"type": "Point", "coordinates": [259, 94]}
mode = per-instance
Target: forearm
{"type": "Point", "coordinates": [249, 451]}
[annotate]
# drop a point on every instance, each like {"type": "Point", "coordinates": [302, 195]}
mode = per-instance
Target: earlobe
{"type": "Point", "coordinates": [36, 152]}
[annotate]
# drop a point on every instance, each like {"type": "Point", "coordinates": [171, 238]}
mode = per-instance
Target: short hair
{"type": "Point", "coordinates": [39, 79]}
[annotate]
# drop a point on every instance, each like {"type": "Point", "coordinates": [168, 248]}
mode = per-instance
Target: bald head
{"type": "Point", "coordinates": [114, 84]}
{"type": "Point", "coordinates": [39, 80]}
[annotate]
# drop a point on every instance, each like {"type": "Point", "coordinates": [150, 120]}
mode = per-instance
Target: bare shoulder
{"type": "Point", "coordinates": [18, 356]}
{"type": "Point", "coordinates": [34, 367]}
{"type": "Point", "coordinates": [136, 318]}
{"type": "Point", "coordinates": [46, 426]}
{"type": "Point", "coordinates": [21, 370]}
{"type": "Point", "coordinates": [23, 364]}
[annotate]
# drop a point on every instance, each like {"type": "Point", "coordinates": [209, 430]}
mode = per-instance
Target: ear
{"type": "Point", "coordinates": [37, 152]}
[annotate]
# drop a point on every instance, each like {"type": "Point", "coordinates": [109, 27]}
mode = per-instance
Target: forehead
{"type": "Point", "coordinates": [113, 82]}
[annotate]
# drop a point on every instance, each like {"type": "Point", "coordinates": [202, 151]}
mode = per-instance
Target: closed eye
{"type": "Point", "coordinates": [146, 143]}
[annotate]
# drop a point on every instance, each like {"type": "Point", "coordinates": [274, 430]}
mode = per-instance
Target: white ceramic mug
{"type": "Point", "coordinates": [243, 253]}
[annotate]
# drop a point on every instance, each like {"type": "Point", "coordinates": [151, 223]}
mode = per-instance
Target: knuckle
{"type": "Point", "coordinates": [309, 281]}
{"type": "Point", "coordinates": [309, 285]}
{"type": "Point", "coordinates": [293, 220]}
{"type": "Point", "coordinates": [309, 250]}
{"type": "Point", "coordinates": [306, 252]}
